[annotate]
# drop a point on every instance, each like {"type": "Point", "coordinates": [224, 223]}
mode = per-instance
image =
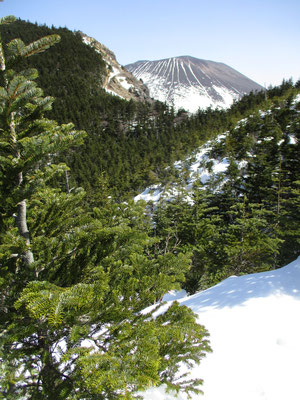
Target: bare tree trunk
{"type": "Point", "coordinates": [21, 217]}
{"type": "Point", "coordinates": [23, 230]}
{"type": "Point", "coordinates": [67, 182]}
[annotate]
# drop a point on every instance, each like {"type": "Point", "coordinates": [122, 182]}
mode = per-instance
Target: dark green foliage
{"type": "Point", "coordinates": [245, 220]}
{"type": "Point", "coordinates": [80, 272]}
{"type": "Point", "coordinates": [131, 142]}
{"type": "Point", "coordinates": [80, 280]}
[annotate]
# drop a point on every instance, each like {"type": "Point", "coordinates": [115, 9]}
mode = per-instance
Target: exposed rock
{"type": "Point", "coordinates": [118, 80]}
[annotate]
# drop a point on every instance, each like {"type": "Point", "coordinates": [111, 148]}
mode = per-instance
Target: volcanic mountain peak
{"type": "Point", "coordinates": [192, 83]}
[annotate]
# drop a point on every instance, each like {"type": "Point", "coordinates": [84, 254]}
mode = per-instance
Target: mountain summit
{"type": "Point", "coordinates": [191, 83]}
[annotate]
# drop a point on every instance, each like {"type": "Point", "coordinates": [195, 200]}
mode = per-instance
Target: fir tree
{"type": "Point", "coordinates": [76, 283]}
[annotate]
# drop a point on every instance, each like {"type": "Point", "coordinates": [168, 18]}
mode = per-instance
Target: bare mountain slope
{"type": "Point", "coordinates": [192, 83]}
{"type": "Point", "coordinates": [118, 80]}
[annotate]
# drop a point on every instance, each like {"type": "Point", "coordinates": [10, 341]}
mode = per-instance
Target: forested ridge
{"type": "Point", "coordinates": [245, 219]}
{"type": "Point", "coordinates": [82, 270]}
{"type": "Point", "coordinates": [130, 143]}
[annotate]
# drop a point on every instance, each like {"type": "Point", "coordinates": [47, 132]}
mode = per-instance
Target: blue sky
{"type": "Point", "coordinates": [259, 38]}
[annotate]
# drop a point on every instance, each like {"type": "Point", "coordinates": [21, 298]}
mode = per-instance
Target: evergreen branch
{"type": "Point", "coordinates": [7, 20]}
{"type": "Point", "coordinates": [41, 45]}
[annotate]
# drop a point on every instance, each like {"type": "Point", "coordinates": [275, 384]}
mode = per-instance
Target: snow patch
{"type": "Point", "coordinates": [197, 171]}
{"type": "Point", "coordinates": [123, 82]}
{"type": "Point", "coordinates": [254, 333]}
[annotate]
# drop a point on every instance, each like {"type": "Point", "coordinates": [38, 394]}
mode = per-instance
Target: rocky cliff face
{"type": "Point", "coordinates": [190, 83]}
{"type": "Point", "coordinates": [118, 81]}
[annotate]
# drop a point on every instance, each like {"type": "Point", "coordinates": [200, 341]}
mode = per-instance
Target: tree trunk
{"type": "Point", "coordinates": [21, 218]}
{"type": "Point", "coordinates": [23, 230]}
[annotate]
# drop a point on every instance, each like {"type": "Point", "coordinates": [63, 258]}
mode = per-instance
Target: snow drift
{"type": "Point", "coordinates": [254, 328]}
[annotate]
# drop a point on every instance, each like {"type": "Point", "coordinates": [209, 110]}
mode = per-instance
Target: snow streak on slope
{"type": "Point", "coordinates": [190, 83]}
{"type": "Point", "coordinates": [196, 165]}
{"type": "Point", "coordinates": [254, 325]}
{"type": "Point", "coordinates": [202, 166]}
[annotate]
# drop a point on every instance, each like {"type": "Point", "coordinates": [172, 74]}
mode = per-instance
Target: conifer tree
{"type": "Point", "coordinates": [75, 284]}
{"type": "Point", "coordinates": [251, 242]}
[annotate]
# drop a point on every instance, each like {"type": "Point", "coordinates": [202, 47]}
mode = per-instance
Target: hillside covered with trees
{"type": "Point", "coordinates": [76, 281]}
{"type": "Point", "coordinates": [83, 271]}
{"type": "Point", "coordinates": [245, 219]}
{"type": "Point", "coordinates": [129, 143]}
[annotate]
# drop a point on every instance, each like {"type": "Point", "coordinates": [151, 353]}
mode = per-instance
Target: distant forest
{"type": "Point", "coordinates": [128, 143]}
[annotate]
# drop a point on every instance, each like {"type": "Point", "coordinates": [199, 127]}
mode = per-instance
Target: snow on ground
{"type": "Point", "coordinates": [113, 93]}
{"type": "Point", "coordinates": [197, 172]}
{"type": "Point", "coordinates": [297, 99]}
{"type": "Point", "coordinates": [228, 96]}
{"type": "Point", "coordinates": [254, 328]}
{"type": "Point", "coordinates": [150, 194]}
{"type": "Point", "coordinates": [123, 82]}
{"type": "Point", "coordinates": [114, 72]}
{"type": "Point", "coordinates": [190, 98]}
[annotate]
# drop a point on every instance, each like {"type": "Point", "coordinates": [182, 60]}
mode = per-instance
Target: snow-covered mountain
{"type": "Point", "coordinates": [254, 328]}
{"type": "Point", "coordinates": [190, 83]}
{"type": "Point", "coordinates": [118, 80]}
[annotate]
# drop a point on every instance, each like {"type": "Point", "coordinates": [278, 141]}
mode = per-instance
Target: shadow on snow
{"type": "Point", "coordinates": [235, 291]}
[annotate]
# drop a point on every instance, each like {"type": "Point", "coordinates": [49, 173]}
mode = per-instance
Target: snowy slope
{"type": "Point", "coordinates": [196, 165]}
{"type": "Point", "coordinates": [254, 326]}
{"type": "Point", "coordinates": [190, 83]}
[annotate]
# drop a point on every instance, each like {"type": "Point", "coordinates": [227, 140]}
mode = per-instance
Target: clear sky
{"type": "Point", "coordinates": [259, 38]}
